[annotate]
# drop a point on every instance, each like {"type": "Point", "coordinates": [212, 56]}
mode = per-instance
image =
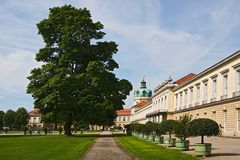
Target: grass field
{"type": "Point", "coordinates": [147, 151]}
{"type": "Point", "coordinates": [44, 147]}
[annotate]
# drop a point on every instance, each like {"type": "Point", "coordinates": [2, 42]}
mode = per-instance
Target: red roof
{"type": "Point", "coordinates": [124, 112]}
{"type": "Point", "coordinates": [34, 112]}
{"type": "Point", "coordinates": [141, 104]}
{"type": "Point", "coordinates": [185, 78]}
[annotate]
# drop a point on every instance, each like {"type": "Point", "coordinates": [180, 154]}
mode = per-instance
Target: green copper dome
{"type": "Point", "coordinates": [143, 91]}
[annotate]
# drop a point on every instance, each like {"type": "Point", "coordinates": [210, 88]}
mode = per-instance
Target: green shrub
{"type": "Point", "coordinates": [158, 129]}
{"type": "Point", "coordinates": [60, 129]}
{"type": "Point", "coordinates": [45, 130]}
{"type": "Point", "coordinates": [6, 130]}
{"type": "Point", "coordinates": [203, 127]}
{"type": "Point", "coordinates": [148, 128]}
{"type": "Point", "coordinates": [169, 126]}
{"type": "Point", "coordinates": [25, 130]}
{"type": "Point", "coordinates": [182, 128]}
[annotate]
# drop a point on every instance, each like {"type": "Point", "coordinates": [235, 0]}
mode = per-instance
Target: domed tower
{"type": "Point", "coordinates": [142, 93]}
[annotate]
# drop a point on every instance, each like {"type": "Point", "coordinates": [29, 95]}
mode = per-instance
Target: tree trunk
{"type": "Point", "coordinates": [202, 140]}
{"type": "Point", "coordinates": [170, 135]}
{"type": "Point", "coordinates": [103, 128]}
{"type": "Point", "coordinates": [68, 125]}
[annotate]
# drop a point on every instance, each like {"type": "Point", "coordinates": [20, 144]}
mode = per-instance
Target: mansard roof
{"type": "Point", "coordinates": [124, 112]}
{"type": "Point", "coordinates": [34, 113]}
{"type": "Point", "coordinates": [141, 104]}
{"type": "Point", "coordinates": [185, 78]}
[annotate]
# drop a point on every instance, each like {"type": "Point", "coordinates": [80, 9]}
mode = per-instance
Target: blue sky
{"type": "Point", "coordinates": [156, 38]}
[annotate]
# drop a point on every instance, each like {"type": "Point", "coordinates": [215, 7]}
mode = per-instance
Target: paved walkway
{"type": "Point", "coordinates": [222, 148]}
{"type": "Point", "coordinates": [105, 148]}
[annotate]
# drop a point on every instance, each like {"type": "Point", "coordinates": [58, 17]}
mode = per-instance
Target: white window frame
{"type": "Point", "coordinates": [180, 100]}
{"type": "Point", "coordinates": [191, 96]}
{"type": "Point", "coordinates": [198, 93]}
{"type": "Point", "coordinates": [237, 87]}
{"type": "Point", "coordinates": [214, 87]}
{"type": "Point", "coordinates": [205, 91]}
{"type": "Point", "coordinates": [176, 98]}
{"type": "Point", "coordinates": [238, 120]}
{"type": "Point", "coordinates": [225, 84]}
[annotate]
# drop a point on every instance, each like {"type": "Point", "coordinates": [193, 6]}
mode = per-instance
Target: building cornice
{"type": "Point", "coordinates": [225, 60]}
{"type": "Point", "coordinates": [163, 88]}
{"type": "Point", "coordinates": [233, 99]}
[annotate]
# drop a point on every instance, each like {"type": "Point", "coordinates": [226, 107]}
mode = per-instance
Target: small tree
{"type": "Point", "coordinates": [148, 128]}
{"type": "Point", "coordinates": [25, 130]}
{"type": "Point", "coordinates": [60, 129]}
{"type": "Point", "coordinates": [203, 127]}
{"type": "Point", "coordinates": [45, 130]}
{"type": "Point", "coordinates": [182, 127]}
{"type": "Point", "coordinates": [169, 126]}
{"type": "Point", "coordinates": [6, 130]}
{"type": "Point", "coordinates": [158, 129]}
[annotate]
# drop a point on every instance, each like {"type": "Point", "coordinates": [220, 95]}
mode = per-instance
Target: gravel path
{"type": "Point", "coordinates": [105, 148]}
{"type": "Point", "coordinates": [223, 148]}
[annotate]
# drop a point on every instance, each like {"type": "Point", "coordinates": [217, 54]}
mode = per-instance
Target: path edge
{"type": "Point", "coordinates": [125, 150]}
{"type": "Point", "coordinates": [87, 150]}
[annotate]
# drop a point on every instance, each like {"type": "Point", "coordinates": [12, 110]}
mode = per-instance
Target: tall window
{"type": "Point", "coordinates": [176, 103]}
{"type": "Point", "coordinates": [238, 80]}
{"type": "Point", "coordinates": [214, 88]}
{"type": "Point", "coordinates": [165, 102]}
{"type": "Point", "coordinates": [198, 93]}
{"type": "Point", "coordinates": [238, 120]}
{"type": "Point", "coordinates": [191, 96]}
{"type": "Point", "coordinates": [225, 84]}
{"type": "Point", "coordinates": [162, 103]}
{"type": "Point", "coordinates": [185, 98]}
{"type": "Point", "coordinates": [225, 120]}
{"type": "Point", "coordinates": [205, 91]}
{"type": "Point", "coordinates": [180, 100]}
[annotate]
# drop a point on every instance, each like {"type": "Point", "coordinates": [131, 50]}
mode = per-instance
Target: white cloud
{"type": "Point", "coordinates": [14, 69]}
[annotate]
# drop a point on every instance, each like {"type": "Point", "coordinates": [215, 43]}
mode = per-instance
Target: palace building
{"type": "Point", "coordinates": [123, 117]}
{"type": "Point", "coordinates": [214, 93]}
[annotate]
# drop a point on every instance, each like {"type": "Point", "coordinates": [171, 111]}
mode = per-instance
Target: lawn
{"type": "Point", "coordinates": [44, 147]}
{"type": "Point", "coordinates": [147, 151]}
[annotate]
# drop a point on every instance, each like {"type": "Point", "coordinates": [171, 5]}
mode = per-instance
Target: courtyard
{"type": "Point", "coordinates": [222, 148]}
{"type": "Point", "coordinates": [107, 146]}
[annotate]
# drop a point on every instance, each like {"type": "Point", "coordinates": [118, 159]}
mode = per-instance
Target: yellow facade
{"type": "Point", "coordinates": [213, 93]}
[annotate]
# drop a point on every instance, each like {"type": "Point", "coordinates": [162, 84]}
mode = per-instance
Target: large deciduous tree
{"type": "Point", "coordinates": [10, 118]}
{"type": "Point", "coordinates": [1, 120]}
{"type": "Point", "coordinates": [21, 118]}
{"type": "Point", "coordinates": [77, 72]}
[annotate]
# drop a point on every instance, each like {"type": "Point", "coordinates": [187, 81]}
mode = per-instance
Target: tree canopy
{"type": "Point", "coordinates": [10, 118]}
{"type": "Point", "coordinates": [1, 120]}
{"type": "Point", "coordinates": [203, 127]}
{"type": "Point", "coordinates": [76, 80]}
{"type": "Point", "coordinates": [21, 118]}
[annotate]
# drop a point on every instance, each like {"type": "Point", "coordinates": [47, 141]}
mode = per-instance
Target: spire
{"type": "Point", "coordinates": [143, 82]}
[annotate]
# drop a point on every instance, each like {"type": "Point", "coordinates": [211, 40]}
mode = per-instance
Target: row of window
{"type": "Point", "coordinates": [225, 118]}
{"type": "Point", "coordinates": [161, 102]}
{"type": "Point", "coordinates": [185, 99]}
{"type": "Point", "coordinates": [123, 118]}
{"type": "Point", "coordinates": [34, 120]}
